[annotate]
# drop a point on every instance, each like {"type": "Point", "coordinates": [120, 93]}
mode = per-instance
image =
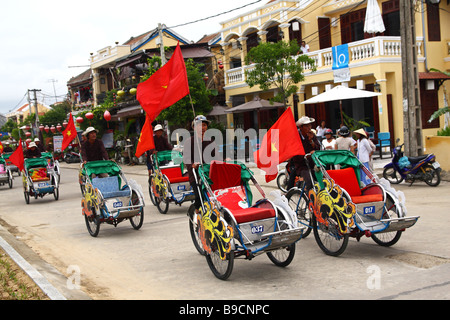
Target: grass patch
{"type": "Point", "coordinates": [15, 284]}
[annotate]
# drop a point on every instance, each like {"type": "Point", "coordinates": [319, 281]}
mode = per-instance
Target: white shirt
{"type": "Point", "coordinates": [320, 131]}
{"type": "Point", "coordinates": [326, 144]}
{"type": "Point", "coordinates": [364, 150]}
{"type": "Point", "coordinates": [304, 49]}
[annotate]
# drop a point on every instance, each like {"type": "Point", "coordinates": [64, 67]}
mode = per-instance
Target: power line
{"type": "Point", "coordinates": [214, 16]}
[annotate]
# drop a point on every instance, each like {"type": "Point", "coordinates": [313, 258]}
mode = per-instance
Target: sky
{"type": "Point", "coordinates": [45, 43]}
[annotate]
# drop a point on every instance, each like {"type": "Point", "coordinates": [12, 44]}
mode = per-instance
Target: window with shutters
{"type": "Point", "coordinates": [433, 22]}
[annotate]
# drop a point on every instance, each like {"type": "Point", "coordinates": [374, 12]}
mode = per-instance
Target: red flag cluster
{"type": "Point", "coordinates": [164, 88]}
{"type": "Point", "coordinates": [280, 143]}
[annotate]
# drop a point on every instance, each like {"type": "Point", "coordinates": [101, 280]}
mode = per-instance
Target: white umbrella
{"type": "Point", "coordinates": [374, 21]}
{"type": "Point", "coordinates": [340, 93]}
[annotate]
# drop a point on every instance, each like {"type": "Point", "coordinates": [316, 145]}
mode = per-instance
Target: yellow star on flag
{"type": "Point", "coordinates": [69, 133]}
{"type": "Point", "coordinates": [273, 147]}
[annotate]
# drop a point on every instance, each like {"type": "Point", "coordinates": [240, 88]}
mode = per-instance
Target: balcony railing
{"type": "Point", "coordinates": [360, 52]}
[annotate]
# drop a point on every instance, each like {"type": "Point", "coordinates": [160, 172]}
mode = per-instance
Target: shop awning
{"type": "Point", "coordinates": [257, 104]}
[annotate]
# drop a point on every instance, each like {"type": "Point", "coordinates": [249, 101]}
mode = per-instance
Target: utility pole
{"type": "Point", "coordinates": [412, 120]}
{"type": "Point", "coordinates": [36, 107]}
{"type": "Point", "coordinates": [161, 44]}
{"type": "Point", "coordinates": [54, 90]}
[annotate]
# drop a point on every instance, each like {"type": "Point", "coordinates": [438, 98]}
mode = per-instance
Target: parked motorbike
{"type": "Point", "coordinates": [72, 157]}
{"type": "Point", "coordinates": [423, 168]}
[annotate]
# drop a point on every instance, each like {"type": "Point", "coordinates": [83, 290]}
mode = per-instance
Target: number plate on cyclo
{"type": "Point", "coordinates": [369, 210]}
{"type": "Point", "coordinates": [257, 229]}
{"type": "Point", "coordinates": [118, 204]}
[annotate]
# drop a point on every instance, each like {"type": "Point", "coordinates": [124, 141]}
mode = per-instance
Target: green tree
{"type": "Point", "coordinates": [277, 64]}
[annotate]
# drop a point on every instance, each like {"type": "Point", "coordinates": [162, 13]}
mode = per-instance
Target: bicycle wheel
{"type": "Point", "coordinates": [220, 268]}
{"type": "Point", "coordinates": [137, 220]}
{"type": "Point", "coordinates": [93, 223]}
{"type": "Point", "coordinates": [194, 229]}
{"type": "Point", "coordinates": [150, 190]}
{"type": "Point", "coordinates": [328, 238]}
{"type": "Point", "coordinates": [299, 203]}
{"type": "Point", "coordinates": [387, 239]}
{"type": "Point", "coordinates": [161, 200]}
{"type": "Point", "coordinates": [282, 182]}
{"type": "Point", "coordinates": [283, 256]}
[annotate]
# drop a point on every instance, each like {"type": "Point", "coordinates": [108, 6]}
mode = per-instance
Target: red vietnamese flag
{"type": "Point", "coordinates": [1, 147]}
{"type": "Point", "coordinates": [146, 141]}
{"type": "Point", "coordinates": [17, 157]}
{"type": "Point", "coordinates": [69, 133]}
{"type": "Point", "coordinates": [165, 87]}
{"type": "Point", "coordinates": [280, 143]}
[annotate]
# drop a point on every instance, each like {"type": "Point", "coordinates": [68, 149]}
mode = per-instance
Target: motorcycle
{"type": "Point", "coordinates": [72, 157]}
{"type": "Point", "coordinates": [423, 168]}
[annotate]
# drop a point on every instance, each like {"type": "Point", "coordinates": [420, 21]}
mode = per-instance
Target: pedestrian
{"type": "Point", "coordinates": [93, 149]}
{"type": "Point", "coordinates": [320, 131]}
{"type": "Point", "coordinates": [193, 153]}
{"type": "Point", "coordinates": [304, 48]}
{"type": "Point", "coordinates": [329, 143]}
{"type": "Point", "coordinates": [345, 142]}
{"type": "Point", "coordinates": [296, 165]}
{"type": "Point", "coordinates": [363, 153]}
{"type": "Point", "coordinates": [32, 151]}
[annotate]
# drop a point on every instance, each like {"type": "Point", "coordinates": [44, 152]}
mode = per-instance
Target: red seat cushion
{"type": "Point", "coordinates": [346, 179]}
{"type": "Point", "coordinates": [224, 175]}
{"type": "Point", "coordinates": [234, 200]}
{"type": "Point", "coordinates": [174, 175]}
{"type": "Point", "coordinates": [253, 214]}
{"type": "Point", "coordinates": [367, 198]}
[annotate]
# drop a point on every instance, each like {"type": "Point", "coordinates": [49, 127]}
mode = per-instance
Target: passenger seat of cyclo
{"type": "Point", "coordinates": [229, 190]}
{"type": "Point", "coordinates": [347, 180]}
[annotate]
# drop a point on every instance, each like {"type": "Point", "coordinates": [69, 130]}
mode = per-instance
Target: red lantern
{"type": "Point", "coordinates": [107, 115]}
{"type": "Point", "coordinates": [79, 119]}
{"type": "Point", "coordinates": [41, 127]}
{"type": "Point", "coordinates": [59, 127]}
{"type": "Point", "coordinates": [28, 134]}
{"type": "Point", "coordinates": [89, 115]}
{"type": "Point", "coordinates": [52, 129]}
{"type": "Point", "coordinates": [27, 127]}
{"type": "Point", "coordinates": [65, 123]}
{"type": "Point", "coordinates": [46, 128]}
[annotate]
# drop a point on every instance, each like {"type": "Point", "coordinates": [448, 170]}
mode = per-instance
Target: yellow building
{"type": "Point", "coordinates": [22, 112]}
{"type": "Point", "coordinates": [105, 62]}
{"type": "Point", "coordinates": [374, 59]}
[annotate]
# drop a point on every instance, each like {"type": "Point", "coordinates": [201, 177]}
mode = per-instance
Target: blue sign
{"type": "Point", "coordinates": [340, 56]}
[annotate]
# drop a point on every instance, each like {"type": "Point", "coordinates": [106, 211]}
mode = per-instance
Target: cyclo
{"type": "Point", "coordinates": [230, 225]}
{"type": "Point", "coordinates": [168, 183]}
{"type": "Point", "coordinates": [5, 174]}
{"type": "Point", "coordinates": [37, 180]}
{"type": "Point", "coordinates": [340, 208]}
{"type": "Point", "coordinates": [109, 199]}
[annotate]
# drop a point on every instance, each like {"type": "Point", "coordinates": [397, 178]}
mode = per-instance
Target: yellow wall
{"type": "Point", "coordinates": [384, 69]}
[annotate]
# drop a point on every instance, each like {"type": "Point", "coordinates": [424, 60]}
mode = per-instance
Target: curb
{"type": "Point", "coordinates": [35, 275]}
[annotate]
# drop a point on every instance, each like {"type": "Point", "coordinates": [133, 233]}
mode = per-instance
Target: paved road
{"type": "Point", "coordinates": [160, 262]}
